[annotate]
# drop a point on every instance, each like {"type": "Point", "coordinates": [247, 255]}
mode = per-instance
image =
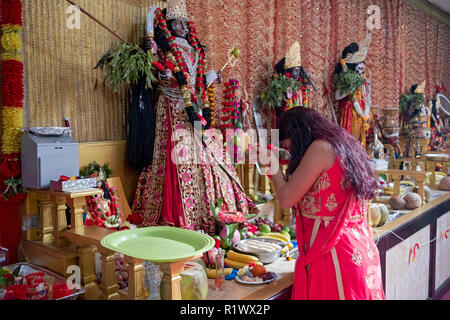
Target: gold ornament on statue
{"type": "Point", "coordinates": [361, 54]}
{"type": "Point", "coordinates": [176, 9]}
{"type": "Point", "coordinates": [293, 57]}
{"type": "Point", "coordinates": [421, 88]}
{"type": "Point", "coordinates": [232, 58]}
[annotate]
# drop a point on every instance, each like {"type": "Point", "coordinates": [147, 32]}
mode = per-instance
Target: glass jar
{"type": "Point", "coordinates": [220, 272]}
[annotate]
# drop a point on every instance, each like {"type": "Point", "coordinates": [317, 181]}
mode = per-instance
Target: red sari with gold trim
{"type": "Point", "coordinates": [338, 257]}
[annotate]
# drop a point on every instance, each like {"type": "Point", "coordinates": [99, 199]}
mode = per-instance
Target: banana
{"type": "Point", "coordinates": [278, 236]}
{"type": "Point", "coordinates": [240, 257]}
{"type": "Point", "coordinates": [405, 182]}
{"type": "Point", "coordinates": [234, 264]}
{"type": "Point", "coordinates": [211, 273]}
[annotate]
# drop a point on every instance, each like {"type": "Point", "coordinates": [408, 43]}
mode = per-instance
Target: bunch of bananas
{"type": "Point", "coordinates": [389, 191]}
{"type": "Point", "coordinates": [278, 236]}
{"type": "Point", "coordinates": [211, 273]}
{"type": "Point", "coordinates": [237, 260]}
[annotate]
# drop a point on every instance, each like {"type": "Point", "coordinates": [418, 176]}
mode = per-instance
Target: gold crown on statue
{"type": "Point", "coordinates": [176, 9]}
{"type": "Point", "coordinates": [421, 87]}
{"type": "Point", "coordinates": [293, 57]}
{"type": "Point", "coordinates": [361, 54]}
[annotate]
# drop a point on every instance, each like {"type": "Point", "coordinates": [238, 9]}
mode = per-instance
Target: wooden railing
{"type": "Point", "coordinates": [57, 240]}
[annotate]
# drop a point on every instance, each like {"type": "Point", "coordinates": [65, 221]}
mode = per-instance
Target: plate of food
{"type": "Point", "coordinates": [255, 274]}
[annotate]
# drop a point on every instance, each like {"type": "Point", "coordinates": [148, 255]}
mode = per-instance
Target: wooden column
{"type": "Point", "coordinates": [251, 179]}
{"type": "Point", "coordinates": [87, 266]}
{"type": "Point", "coordinates": [109, 286]}
{"type": "Point", "coordinates": [135, 279]}
{"type": "Point", "coordinates": [76, 212]}
{"type": "Point", "coordinates": [45, 210]}
{"type": "Point", "coordinates": [420, 180]}
{"type": "Point", "coordinates": [59, 221]}
{"type": "Point", "coordinates": [171, 280]}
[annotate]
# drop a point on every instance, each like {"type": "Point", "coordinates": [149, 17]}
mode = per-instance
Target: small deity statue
{"type": "Point", "coordinates": [353, 90]}
{"type": "Point", "coordinates": [291, 83]}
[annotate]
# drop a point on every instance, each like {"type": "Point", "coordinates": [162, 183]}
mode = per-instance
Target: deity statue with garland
{"type": "Point", "coordinates": [184, 176]}
{"type": "Point", "coordinates": [353, 90]}
{"type": "Point", "coordinates": [290, 85]}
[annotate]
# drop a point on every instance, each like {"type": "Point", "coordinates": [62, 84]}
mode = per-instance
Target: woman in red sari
{"type": "Point", "coordinates": [329, 183]}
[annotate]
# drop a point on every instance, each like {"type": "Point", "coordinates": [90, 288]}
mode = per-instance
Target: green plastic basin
{"type": "Point", "coordinates": [158, 244]}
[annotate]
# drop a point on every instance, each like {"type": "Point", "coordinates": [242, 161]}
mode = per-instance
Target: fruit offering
{"type": "Point", "coordinates": [8, 278]}
{"type": "Point", "coordinates": [274, 227]}
{"type": "Point", "coordinates": [121, 271]}
{"type": "Point", "coordinates": [255, 273]}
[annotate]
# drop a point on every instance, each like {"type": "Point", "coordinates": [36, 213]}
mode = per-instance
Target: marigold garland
{"type": "Point", "coordinates": [190, 95]}
{"type": "Point", "coordinates": [12, 92]}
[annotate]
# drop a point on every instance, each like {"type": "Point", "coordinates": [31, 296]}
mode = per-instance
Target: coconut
{"type": "Point", "coordinates": [444, 184]}
{"type": "Point", "coordinates": [413, 200]}
{"type": "Point", "coordinates": [374, 215]}
{"type": "Point", "coordinates": [384, 214]}
{"type": "Point", "coordinates": [397, 203]}
{"type": "Point", "coordinates": [426, 192]}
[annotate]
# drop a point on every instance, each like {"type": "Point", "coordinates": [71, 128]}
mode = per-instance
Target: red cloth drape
{"type": "Point", "coordinates": [10, 229]}
{"type": "Point", "coordinates": [172, 208]}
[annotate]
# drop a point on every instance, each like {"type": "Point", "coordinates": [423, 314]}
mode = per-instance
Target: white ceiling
{"type": "Point", "coordinates": [441, 4]}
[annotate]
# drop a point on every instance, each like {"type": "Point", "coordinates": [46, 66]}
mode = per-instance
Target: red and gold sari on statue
{"type": "Point", "coordinates": [338, 257]}
{"type": "Point", "coordinates": [179, 193]}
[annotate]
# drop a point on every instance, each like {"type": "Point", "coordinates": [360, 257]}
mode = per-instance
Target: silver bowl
{"type": "Point", "coordinates": [264, 257]}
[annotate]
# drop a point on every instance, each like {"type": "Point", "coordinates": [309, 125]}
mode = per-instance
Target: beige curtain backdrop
{"type": "Point", "coordinates": [409, 48]}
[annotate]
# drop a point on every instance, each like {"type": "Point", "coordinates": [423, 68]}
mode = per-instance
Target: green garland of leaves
{"type": "Point", "coordinates": [126, 63]}
{"type": "Point", "coordinates": [273, 97]}
{"type": "Point", "coordinates": [94, 167]}
{"type": "Point", "coordinates": [412, 99]}
{"type": "Point", "coordinates": [348, 81]}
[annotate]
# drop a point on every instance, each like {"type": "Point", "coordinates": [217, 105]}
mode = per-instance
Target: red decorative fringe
{"type": "Point", "coordinates": [12, 89]}
{"type": "Point", "coordinates": [11, 11]}
{"type": "Point", "coordinates": [10, 166]}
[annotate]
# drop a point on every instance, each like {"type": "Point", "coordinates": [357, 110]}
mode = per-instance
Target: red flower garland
{"type": "Point", "coordinates": [180, 64]}
{"type": "Point", "coordinates": [12, 93]}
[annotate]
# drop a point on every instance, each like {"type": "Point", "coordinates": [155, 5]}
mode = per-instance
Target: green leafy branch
{"type": "Point", "coordinates": [413, 99]}
{"type": "Point", "coordinates": [348, 81]}
{"type": "Point", "coordinates": [94, 167]}
{"type": "Point", "coordinates": [125, 64]}
{"type": "Point", "coordinates": [274, 95]}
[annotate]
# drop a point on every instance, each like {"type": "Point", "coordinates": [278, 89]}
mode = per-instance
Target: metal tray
{"type": "Point", "coordinates": [28, 268]}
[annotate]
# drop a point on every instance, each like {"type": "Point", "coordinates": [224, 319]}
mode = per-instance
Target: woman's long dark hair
{"type": "Point", "coordinates": [303, 126]}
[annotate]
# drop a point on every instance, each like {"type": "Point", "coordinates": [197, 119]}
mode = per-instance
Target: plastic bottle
{"type": "Point", "coordinates": [153, 278]}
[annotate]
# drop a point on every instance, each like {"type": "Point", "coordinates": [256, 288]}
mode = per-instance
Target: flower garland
{"type": "Point", "coordinates": [103, 212]}
{"type": "Point", "coordinates": [12, 92]}
{"type": "Point", "coordinates": [192, 98]}
{"type": "Point", "coordinates": [232, 117]}
{"type": "Point", "coordinates": [229, 104]}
